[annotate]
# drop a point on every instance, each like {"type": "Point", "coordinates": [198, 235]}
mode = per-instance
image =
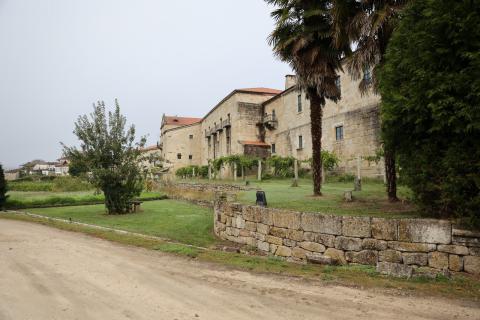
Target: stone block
{"type": "Point", "coordinates": [229, 221]}
{"type": "Point", "coordinates": [411, 247]}
{"type": "Point", "coordinates": [244, 233]}
{"type": "Point", "coordinates": [299, 253]}
{"type": "Point", "coordinates": [474, 251]}
{"type": "Point", "coordinates": [274, 240]}
{"type": "Point", "coordinates": [425, 230]}
{"type": "Point", "coordinates": [273, 248]}
{"type": "Point", "coordinates": [455, 263]}
{"type": "Point", "coordinates": [251, 226]}
{"type": "Point", "coordinates": [395, 269]}
{"type": "Point", "coordinates": [266, 215]}
{"type": "Point", "coordinates": [385, 229]}
{"type": "Point", "coordinates": [326, 239]}
{"type": "Point", "coordinates": [289, 243]}
{"type": "Point", "coordinates": [263, 246]}
{"type": "Point", "coordinates": [466, 241]}
{"type": "Point", "coordinates": [337, 256]}
{"type": "Point", "coordinates": [438, 260]}
{"type": "Point", "coordinates": [263, 228]}
{"type": "Point", "coordinates": [416, 258]}
{"type": "Point", "coordinates": [453, 249]}
{"type": "Point", "coordinates": [321, 223]}
{"type": "Point", "coordinates": [312, 246]}
{"type": "Point", "coordinates": [374, 244]}
{"type": "Point", "coordinates": [309, 236]}
{"type": "Point", "coordinates": [238, 222]}
{"type": "Point", "coordinates": [356, 227]}
{"type": "Point", "coordinates": [390, 256]}
{"type": "Point", "coordinates": [296, 235]}
{"type": "Point", "coordinates": [471, 264]}
{"type": "Point", "coordinates": [318, 258]}
{"type": "Point", "coordinates": [363, 257]}
{"type": "Point", "coordinates": [347, 243]}
{"type": "Point", "coordinates": [250, 241]}
{"type": "Point", "coordinates": [283, 251]}
{"type": "Point", "coordinates": [250, 214]}
{"type": "Point", "coordinates": [260, 236]}
{"type": "Point", "coordinates": [287, 219]}
{"type": "Point", "coordinates": [278, 232]}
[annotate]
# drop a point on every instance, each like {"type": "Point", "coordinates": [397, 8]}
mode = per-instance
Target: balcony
{"type": "Point", "coordinates": [270, 121]}
{"type": "Point", "coordinates": [226, 123]}
{"type": "Point", "coordinates": [218, 127]}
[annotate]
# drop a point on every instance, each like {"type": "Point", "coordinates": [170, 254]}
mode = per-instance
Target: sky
{"type": "Point", "coordinates": [57, 57]}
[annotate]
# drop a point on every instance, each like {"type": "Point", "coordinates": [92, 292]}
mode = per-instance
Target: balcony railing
{"type": "Point", "coordinates": [270, 121]}
{"type": "Point", "coordinates": [218, 127]}
{"type": "Point", "coordinates": [226, 123]}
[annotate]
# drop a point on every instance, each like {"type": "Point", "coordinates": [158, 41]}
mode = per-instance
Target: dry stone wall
{"type": "Point", "coordinates": [395, 246]}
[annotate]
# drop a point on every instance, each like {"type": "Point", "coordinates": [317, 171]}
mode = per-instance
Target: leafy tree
{"type": "Point", "coordinates": [430, 86]}
{"type": "Point", "coordinates": [369, 24]}
{"type": "Point", "coordinates": [110, 151]}
{"type": "Point", "coordinates": [303, 38]}
{"type": "Point", "coordinates": [3, 189]}
{"type": "Point", "coordinates": [78, 167]}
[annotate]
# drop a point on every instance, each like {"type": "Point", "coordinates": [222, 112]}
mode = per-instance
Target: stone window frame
{"type": "Point", "coordinates": [273, 148]}
{"type": "Point", "coordinates": [300, 142]}
{"type": "Point", "coordinates": [179, 156]}
{"type": "Point", "coordinates": [342, 132]}
{"type": "Point", "coordinates": [190, 137]}
{"type": "Point", "coordinates": [190, 157]}
{"type": "Point", "coordinates": [299, 103]}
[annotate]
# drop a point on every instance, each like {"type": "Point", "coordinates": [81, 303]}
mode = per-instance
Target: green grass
{"type": "Point", "coordinates": [458, 287]}
{"type": "Point", "coordinates": [370, 201]}
{"type": "Point", "coordinates": [31, 199]}
{"type": "Point", "coordinates": [175, 220]}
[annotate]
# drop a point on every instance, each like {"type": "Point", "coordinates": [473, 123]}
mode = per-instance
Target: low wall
{"type": "Point", "coordinates": [395, 246]}
{"type": "Point", "coordinates": [213, 187]}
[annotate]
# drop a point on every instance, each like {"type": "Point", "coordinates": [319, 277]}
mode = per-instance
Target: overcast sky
{"type": "Point", "coordinates": [176, 57]}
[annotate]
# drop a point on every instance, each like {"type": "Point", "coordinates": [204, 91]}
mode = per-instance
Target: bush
{"type": "Point", "coordinates": [430, 105]}
{"type": "Point", "coordinates": [200, 171]}
{"type": "Point", "coordinates": [282, 166]}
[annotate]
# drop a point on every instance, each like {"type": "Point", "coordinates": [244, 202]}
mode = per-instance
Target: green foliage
{"type": "Point", "coordinates": [3, 189]}
{"type": "Point", "coordinates": [111, 154]}
{"type": "Point", "coordinates": [430, 87]}
{"type": "Point", "coordinates": [329, 160]}
{"type": "Point", "coordinates": [78, 167]}
{"type": "Point", "coordinates": [282, 166]}
{"type": "Point", "coordinates": [244, 161]}
{"type": "Point", "coordinates": [56, 184]}
{"type": "Point", "coordinates": [187, 172]}
{"type": "Point", "coordinates": [25, 185]}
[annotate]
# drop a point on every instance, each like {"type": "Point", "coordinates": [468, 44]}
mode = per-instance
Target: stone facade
{"type": "Point", "coordinates": [261, 121]}
{"type": "Point", "coordinates": [399, 246]}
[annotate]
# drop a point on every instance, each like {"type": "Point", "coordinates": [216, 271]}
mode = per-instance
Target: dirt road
{"type": "Point", "coordinates": [47, 273]}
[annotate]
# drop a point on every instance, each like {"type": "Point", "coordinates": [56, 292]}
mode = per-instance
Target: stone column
{"type": "Point", "coordinates": [358, 179]}
{"type": "Point", "coordinates": [259, 170]}
{"type": "Point", "coordinates": [234, 171]}
{"type": "Point", "coordinates": [193, 173]}
{"type": "Point", "coordinates": [209, 171]}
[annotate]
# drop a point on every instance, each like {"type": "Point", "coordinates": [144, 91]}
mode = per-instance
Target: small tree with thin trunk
{"type": "Point", "coordinates": [109, 150]}
{"type": "Point", "coordinates": [3, 189]}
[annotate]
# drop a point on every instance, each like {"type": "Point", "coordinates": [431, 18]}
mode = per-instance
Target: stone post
{"type": "Point", "coordinates": [323, 174]}
{"type": "Point", "coordinates": [259, 175]}
{"type": "Point", "coordinates": [243, 173]}
{"type": "Point", "coordinates": [358, 178]}
{"type": "Point", "coordinates": [295, 173]}
{"type": "Point", "coordinates": [234, 171]}
{"type": "Point", "coordinates": [209, 171]}
{"type": "Point", "coordinates": [193, 173]}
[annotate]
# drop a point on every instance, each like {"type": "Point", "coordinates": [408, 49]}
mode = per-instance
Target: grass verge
{"type": "Point", "coordinates": [458, 287]}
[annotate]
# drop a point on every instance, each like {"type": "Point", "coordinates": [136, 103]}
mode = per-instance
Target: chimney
{"type": "Point", "coordinates": [290, 81]}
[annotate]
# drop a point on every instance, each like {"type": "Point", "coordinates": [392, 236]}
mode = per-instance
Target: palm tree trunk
{"type": "Point", "coordinates": [390, 174]}
{"type": "Point", "coordinates": [316, 114]}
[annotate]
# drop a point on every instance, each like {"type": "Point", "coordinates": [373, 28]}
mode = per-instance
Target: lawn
{"type": "Point", "coordinates": [370, 201]}
{"type": "Point", "coordinates": [31, 199]}
{"type": "Point", "coordinates": [175, 220]}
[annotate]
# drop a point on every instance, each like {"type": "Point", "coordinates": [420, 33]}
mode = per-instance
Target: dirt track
{"type": "Point", "coordinates": [49, 274]}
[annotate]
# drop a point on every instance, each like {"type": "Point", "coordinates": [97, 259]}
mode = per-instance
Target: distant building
{"type": "Point", "coordinates": [11, 175]}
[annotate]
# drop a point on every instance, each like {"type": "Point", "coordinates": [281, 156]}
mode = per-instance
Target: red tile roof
{"type": "Point", "coordinates": [255, 143]}
{"type": "Point", "coordinates": [149, 148]}
{"type": "Point", "coordinates": [261, 90]}
{"type": "Point", "coordinates": [181, 121]}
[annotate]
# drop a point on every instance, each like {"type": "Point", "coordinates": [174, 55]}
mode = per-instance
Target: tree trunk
{"type": "Point", "coordinates": [391, 175]}
{"type": "Point", "coordinates": [316, 114]}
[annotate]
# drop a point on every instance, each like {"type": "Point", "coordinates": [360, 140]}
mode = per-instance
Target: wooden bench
{"type": "Point", "coordinates": [134, 205]}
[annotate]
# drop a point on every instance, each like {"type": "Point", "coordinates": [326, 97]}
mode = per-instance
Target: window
{"type": "Point", "coordinates": [190, 136]}
{"type": "Point", "coordinates": [273, 148]}
{"type": "Point", "coordinates": [179, 156]}
{"type": "Point", "coordinates": [339, 133]}
{"type": "Point", "coordinates": [299, 103]}
{"type": "Point", "coordinates": [367, 75]}
{"type": "Point", "coordinates": [190, 157]}
{"type": "Point", "coordinates": [300, 142]}
{"type": "Point", "coordinates": [273, 114]}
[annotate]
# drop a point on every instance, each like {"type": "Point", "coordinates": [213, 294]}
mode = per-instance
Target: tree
{"type": "Point", "coordinates": [110, 151]}
{"type": "Point", "coordinates": [430, 86]}
{"type": "Point", "coordinates": [302, 37]}
{"type": "Point", "coordinates": [369, 25]}
{"type": "Point", "coordinates": [3, 189]}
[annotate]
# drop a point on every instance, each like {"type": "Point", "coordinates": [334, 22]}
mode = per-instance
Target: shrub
{"type": "Point", "coordinates": [282, 166]}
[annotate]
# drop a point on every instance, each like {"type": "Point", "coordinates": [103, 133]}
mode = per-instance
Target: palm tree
{"type": "Point", "coordinates": [302, 37]}
{"type": "Point", "coordinates": [368, 24]}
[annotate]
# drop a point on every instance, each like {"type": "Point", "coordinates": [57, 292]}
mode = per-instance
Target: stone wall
{"type": "Point", "coordinates": [398, 246]}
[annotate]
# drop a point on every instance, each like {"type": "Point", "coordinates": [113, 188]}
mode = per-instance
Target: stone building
{"type": "Point", "coordinates": [263, 121]}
